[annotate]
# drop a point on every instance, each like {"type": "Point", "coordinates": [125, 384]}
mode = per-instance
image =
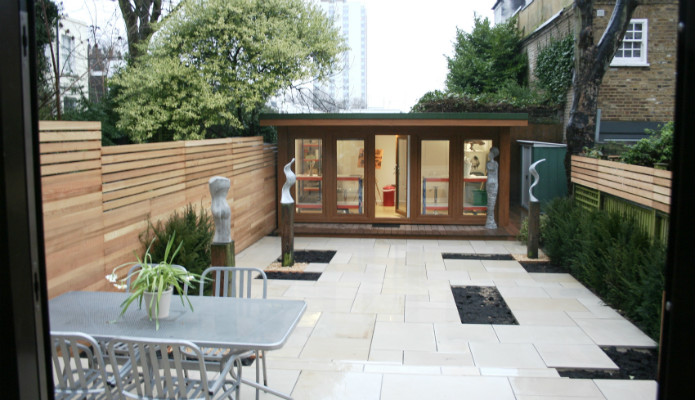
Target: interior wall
{"type": "Point", "coordinates": [386, 175]}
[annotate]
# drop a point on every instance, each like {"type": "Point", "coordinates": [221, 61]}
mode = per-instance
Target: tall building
{"type": "Point", "coordinates": [347, 88]}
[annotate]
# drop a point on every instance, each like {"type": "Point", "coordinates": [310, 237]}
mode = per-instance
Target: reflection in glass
{"type": "Point", "coordinates": [475, 155]}
{"type": "Point", "coordinates": [309, 173]}
{"type": "Point", "coordinates": [435, 177]}
{"type": "Point", "coordinates": [350, 182]}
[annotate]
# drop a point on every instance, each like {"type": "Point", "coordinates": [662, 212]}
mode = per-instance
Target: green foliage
{"type": "Point", "coordinates": [657, 148]}
{"type": "Point", "coordinates": [510, 97]}
{"type": "Point", "coordinates": [103, 111]}
{"type": "Point", "coordinates": [523, 230]}
{"type": "Point", "coordinates": [46, 15]}
{"type": "Point", "coordinates": [213, 63]}
{"type": "Point", "coordinates": [155, 277]}
{"type": "Point", "coordinates": [486, 57]}
{"type": "Point", "coordinates": [195, 232]}
{"type": "Point", "coordinates": [554, 66]}
{"type": "Point", "coordinates": [612, 256]}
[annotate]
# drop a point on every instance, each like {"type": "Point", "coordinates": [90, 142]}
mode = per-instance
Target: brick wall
{"type": "Point", "coordinates": [643, 93]}
{"type": "Point", "coordinates": [627, 93]}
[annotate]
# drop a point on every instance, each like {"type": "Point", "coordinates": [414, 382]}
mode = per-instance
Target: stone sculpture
{"type": "Point", "coordinates": [536, 178]}
{"type": "Point", "coordinates": [290, 179]}
{"type": "Point", "coordinates": [221, 213]}
{"type": "Point", "coordinates": [491, 186]}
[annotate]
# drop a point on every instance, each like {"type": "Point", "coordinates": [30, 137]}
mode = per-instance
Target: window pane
{"type": "Point", "coordinates": [637, 27]}
{"type": "Point", "coordinates": [628, 35]}
{"type": "Point", "coordinates": [475, 153]}
{"type": "Point", "coordinates": [435, 177]}
{"type": "Point", "coordinates": [350, 167]}
{"type": "Point", "coordinates": [309, 171]}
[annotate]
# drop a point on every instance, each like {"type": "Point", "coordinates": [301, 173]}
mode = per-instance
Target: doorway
{"type": "Point", "coordinates": [391, 176]}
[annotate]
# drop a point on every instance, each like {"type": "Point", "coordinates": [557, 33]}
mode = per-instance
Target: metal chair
{"type": "Point", "coordinates": [79, 370]}
{"type": "Point", "coordinates": [159, 369]}
{"type": "Point", "coordinates": [235, 282]}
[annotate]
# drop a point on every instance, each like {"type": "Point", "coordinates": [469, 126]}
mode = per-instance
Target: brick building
{"type": "Point", "coordinates": [638, 90]}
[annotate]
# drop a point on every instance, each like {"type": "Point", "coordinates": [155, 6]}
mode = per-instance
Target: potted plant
{"type": "Point", "coordinates": [155, 282]}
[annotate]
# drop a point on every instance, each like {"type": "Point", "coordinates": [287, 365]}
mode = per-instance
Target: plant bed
{"type": "Point", "coordinates": [293, 275]}
{"type": "Point", "coordinates": [632, 363]}
{"type": "Point", "coordinates": [543, 267]}
{"type": "Point", "coordinates": [482, 305]}
{"type": "Point", "coordinates": [465, 256]}
{"type": "Point", "coordinates": [313, 256]}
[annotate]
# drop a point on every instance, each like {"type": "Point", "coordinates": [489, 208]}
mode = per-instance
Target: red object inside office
{"type": "Point", "coordinates": [389, 192]}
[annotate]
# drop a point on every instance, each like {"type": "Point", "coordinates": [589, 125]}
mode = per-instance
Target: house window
{"type": "Point", "coordinates": [633, 49]}
{"type": "Point", "coordinates": [67, 47]}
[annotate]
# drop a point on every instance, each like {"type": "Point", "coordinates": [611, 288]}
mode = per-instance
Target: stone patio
{"type": "Point", "coordinates": [381, 323]}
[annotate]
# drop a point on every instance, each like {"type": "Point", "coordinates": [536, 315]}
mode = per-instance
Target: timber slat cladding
{"type": "Point", "coordinates": [97, 201]}
{"type": "Point", "coordinates": [642, 185]}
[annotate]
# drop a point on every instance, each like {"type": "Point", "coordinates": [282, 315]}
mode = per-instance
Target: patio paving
{"type": "Point", "coordinates": [381, 324]}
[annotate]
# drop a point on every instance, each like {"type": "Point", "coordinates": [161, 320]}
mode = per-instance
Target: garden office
{"type": "Point", "coordinates": [395, 168]}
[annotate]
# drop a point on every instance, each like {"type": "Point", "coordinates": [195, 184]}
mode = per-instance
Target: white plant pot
{"type": "Point", "coordinates": [164, 303]}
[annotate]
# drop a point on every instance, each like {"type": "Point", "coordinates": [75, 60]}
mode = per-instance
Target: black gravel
{"type": "Point", "coordinates": [542, 266]}
{"type": "Point", "coordinates": [464, 256]}
{"type": "Point", "coordinates": [295, 276]}
{"type": "Point", "coordinates": [632, 363]}
{"type": "Point", "coordinates": [312, 256]}
{"type": "Point", "coordinates": [482, 305]}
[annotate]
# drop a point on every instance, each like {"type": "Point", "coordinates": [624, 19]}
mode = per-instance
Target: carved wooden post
{"type": "Point", "coordinates": [534, 215]}
{"type": "Point", "coordinates": [222, 247]}
{"type": "Point", "coordinates": [287, 218]}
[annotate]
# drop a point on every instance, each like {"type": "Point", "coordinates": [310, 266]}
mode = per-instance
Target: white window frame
{"type": "Point", "coordinates": [634, 61]}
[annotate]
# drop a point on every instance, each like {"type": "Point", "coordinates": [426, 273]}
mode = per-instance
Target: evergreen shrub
{"type": "Point", "coordinates": [194, 229]}
{"type": "Point", "coordinates": [611, 256]}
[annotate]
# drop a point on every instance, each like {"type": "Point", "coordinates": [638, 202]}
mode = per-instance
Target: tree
{"type": "Point", "coordinates": [486, 58]}
{"type": "Point", "coordinates": [140, 17]}
{"type": "Point", "coordinates": [46, 17]}
{"type": "Point", "coordinates": [213, 62]}
{"type": "Point", "coordinates": [590, 64]}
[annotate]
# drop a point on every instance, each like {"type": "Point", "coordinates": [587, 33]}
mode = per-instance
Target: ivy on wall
{"type": "Point", "coordinates": [554, 66]}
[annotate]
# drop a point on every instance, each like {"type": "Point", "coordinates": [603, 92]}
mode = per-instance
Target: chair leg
{"type": "Point", "coordinates": [258, 373]}
{"type": "Point", "coordinates": [265, 372]}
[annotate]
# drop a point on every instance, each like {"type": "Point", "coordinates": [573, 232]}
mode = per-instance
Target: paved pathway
{"type": "Point", "coordinates": [381, 323]}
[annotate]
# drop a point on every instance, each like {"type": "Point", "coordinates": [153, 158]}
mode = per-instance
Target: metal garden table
{"type": "Point", "coordinates": [234, 323]}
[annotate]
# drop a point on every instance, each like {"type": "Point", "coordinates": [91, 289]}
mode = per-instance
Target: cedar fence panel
{"type": "Point", "coordinates": [645, 186]}
{"type": "Point", "coordinates": [639, 192]}
{"type": "Point", "coordinates": [97, 200]}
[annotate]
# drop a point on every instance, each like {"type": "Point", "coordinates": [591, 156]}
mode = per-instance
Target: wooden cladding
{"type": "Point", "coordinates": [642, 185]}
{"type": "Point", "coordinates": [97, 200]}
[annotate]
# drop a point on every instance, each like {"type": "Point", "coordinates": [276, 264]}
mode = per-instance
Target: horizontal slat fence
{"type": "Point", "coordinates": [645, 186]}
{"type": "Point", "coordinates": [641, 193]}
{"type": "Point", "coordinates": [97, 200]}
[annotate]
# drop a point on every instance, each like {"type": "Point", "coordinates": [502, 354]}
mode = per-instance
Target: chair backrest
{"type": "Point", "coordinates": [136, 267]}
{"type": "Point", "coordinates": [233, 281]}
{"type": "Point", "coordinates": [159, 369]}
{"type": "Point", "coordinates": [79, 370]}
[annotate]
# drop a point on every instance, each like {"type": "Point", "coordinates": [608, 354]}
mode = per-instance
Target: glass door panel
{"type": "Point", "coordinates": [475, 154]}
{"type": "Point", "coordinates": [350, 181]}
{"type": "Point", "coordinates": [309, 171]}
{"type": "Point", "coordinates": [434, 172]}
{"type": "Point", "coordinates": [402, 175]}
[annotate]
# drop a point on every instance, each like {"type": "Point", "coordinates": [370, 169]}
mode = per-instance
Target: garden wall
{"type": "Point", "coordinates": [97, 200]}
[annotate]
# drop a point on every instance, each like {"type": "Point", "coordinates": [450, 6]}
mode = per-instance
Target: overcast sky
{"type": "Point", "coordinates": [407, 41]}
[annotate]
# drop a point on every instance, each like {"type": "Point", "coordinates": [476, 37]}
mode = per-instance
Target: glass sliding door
{"type": "Point", "coordinates": [350, 180]}
{"type": "Point", "coordinates": [434, 173]}
{"type": "Point", "coordinates": [475, 154]}
{"type": "Point", "coordinates": [309, 171]}
{"type": "Point", "coordinates": [402, 175]}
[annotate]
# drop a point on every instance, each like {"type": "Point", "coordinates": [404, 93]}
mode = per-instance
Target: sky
{"type": "Point", "coordinates": [407, 41]}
